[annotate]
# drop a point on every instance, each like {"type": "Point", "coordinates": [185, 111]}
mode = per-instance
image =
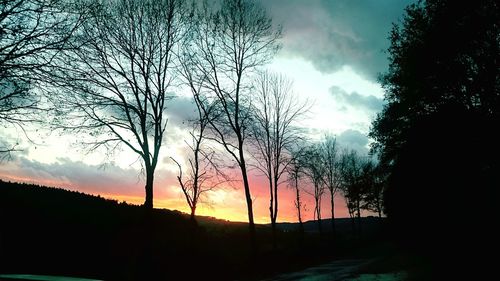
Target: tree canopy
{"type": "Point", "coordinates": [436, 133]}
{"type": "Point", "coordinates": [442, 54]}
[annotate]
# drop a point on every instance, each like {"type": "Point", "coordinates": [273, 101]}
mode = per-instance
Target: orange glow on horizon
{"type": "Point", "coordinates": [219, 211]}
{"type": "Point", "coordinates": [225, 204]}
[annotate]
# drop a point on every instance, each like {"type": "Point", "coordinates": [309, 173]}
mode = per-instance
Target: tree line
{"type": "Point", "coordinates": [326, 167]}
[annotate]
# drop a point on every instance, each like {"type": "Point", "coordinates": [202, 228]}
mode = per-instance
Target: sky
{"type": "Point", "coordinates": [332, 50]}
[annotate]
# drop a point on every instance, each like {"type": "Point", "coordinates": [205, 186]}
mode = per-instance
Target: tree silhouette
{"type": "Point", "coordinates": [229, 43]}
{"type": "Point", "coordinates": [442, 53]}
{"type": "Point", "coordinates": [330, 157]}
{"type": "Point", "coordinates": [115, 84]}
{"type": "Point", "coordinates": [32, 33]}
{"type": "Point", "coordinates": [435, 134]}
{"type": "Point", "coordinates": [315, 170]}
{"type": "Point", "coordinates": [351, 169]}
{"type": "Point", "coordinates": [374, 184]}
{"type": "Point", "coordinates": [276, 110]}
{"type": "Point", "coordinates": [204, 173]}
{"type": "Point", "coordinates": [295, 171]}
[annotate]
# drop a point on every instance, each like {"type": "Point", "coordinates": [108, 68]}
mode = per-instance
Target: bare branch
{"type": "Point", "coordinates": [114, 83]}
{"type": "Point", "coordinates": [229, 42]}
{"type": "Point", "coordinates": [32, 33]}
{"type": "Point", "coordinates": [275, 110]}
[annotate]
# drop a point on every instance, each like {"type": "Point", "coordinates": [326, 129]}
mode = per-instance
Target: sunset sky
{"type": "Point", "coordinates": [333, 51]}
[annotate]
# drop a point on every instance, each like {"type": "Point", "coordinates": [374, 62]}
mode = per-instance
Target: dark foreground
{"type": "Point", "coordinates": [331, 271]}
{"type": "Point", "coordinates": [48, 231]}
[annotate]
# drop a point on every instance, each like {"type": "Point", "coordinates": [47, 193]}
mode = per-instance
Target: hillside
{"type": "Point", "coordinates": [342, 225]}
{"type": "Point", "coordinates": [59, 232]}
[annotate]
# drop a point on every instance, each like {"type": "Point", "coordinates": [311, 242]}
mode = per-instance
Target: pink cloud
{"type": "Point", "coordinates": [126, 185]}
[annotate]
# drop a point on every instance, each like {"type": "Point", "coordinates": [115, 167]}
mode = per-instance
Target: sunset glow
{"type": "Point", "coordinates": [333, 61]}
{"type": "Point", "coordinates": [249, 139]}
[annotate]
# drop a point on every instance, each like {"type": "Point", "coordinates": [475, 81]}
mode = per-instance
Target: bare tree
{"type": "Point", "coordinates": [115, 83]}
{"type": "Point", "coordinates": [352, 168]}
{"type": "Point", "coordinates": [295, 171]}
{"type": "Point", "coordinates": [202, 170]}
{"type": "Point", "coordinates": [330, 157]}
{"type": "Point", "coordinates": [32, 32]}
{"type": "Point", "coordinates": [229, 43]}
{"type": "Point", "coordinates": [276, 109]}
{"type": "Point", "coordinates": [204, 174]}
{"type": "Point", "coordinates": [315, 170]}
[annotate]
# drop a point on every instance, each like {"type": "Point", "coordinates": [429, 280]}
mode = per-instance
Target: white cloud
{"type": "Point", "coordinates": [329, 113]}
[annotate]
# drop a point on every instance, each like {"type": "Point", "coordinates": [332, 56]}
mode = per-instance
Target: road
{"type": "Point", "coordinates": [332, 271]}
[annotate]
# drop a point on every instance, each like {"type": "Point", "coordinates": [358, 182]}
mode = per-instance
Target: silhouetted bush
{"type": "Point", "coordinates": [443, 191]}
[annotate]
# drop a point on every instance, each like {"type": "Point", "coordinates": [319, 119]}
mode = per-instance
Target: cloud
{"type": "Point", "coordinates": [353, 139]}
{"type": "Point", "coordinates": [125, 185]}
{"type": "Point", "coordinates": [356, 100]}
{"type": "Point", "coordinates": [106, 180]}
{"type": "Point", "coordinates": [180, 111]}
{"type": "Point", "coordinates": [332, 34]}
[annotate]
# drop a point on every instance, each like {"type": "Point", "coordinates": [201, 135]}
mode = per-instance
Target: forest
{"type": "Point", "coordinates": [107, 71]}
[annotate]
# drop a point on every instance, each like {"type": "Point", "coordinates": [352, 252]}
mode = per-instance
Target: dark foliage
{"type": "Point", "coordinates": [443, 191]}
{"type": "Point", "coordinates": [437, 135]}
{"type": "Point", "coordinates": [443, 52]}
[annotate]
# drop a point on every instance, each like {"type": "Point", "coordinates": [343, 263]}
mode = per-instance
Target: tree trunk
{"type": "Point", "coordinates": [275, 241]}
{"type": "Point", "coordinates": [301, 234]}
{"type": "Point", "coordinates": [301, 226]}
{"type": "Point", "coordinates": [193, 213]}
{"type": "Point", "coordinates": [318, 211]}
{"type": "Point", "coordinates": [148, 203]}
{"type": "Point", "coordinates": [319, 226]}
{"type": "Point", "coordinates": [333, 212]}
{"type": "Point", "coordinates": [379, 208]}
{"type": "Point", "coordinates": [271, 212]}
{"type": "Point", "coordinates": [248, 197]}
{"type": "Point", "coordinates": [318, 216]}
{"type": "Point", "coordinates": [358, 215]}
{"type": "Point", "coordinates": [275, 213]}
{"type": "Point", "coordinates": [353, 223]}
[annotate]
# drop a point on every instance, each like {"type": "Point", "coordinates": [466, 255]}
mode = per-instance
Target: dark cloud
{"type": "Point", "coordinates": [332, 34]}
{"type": "Point", "coordinates": [181, 110]}
{"type": "Point", "coordinates": [354, 139]}
{"type": "Point", "coordinates": [371, 103]}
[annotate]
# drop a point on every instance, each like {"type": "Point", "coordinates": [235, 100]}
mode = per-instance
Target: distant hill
{"type": "Point", "coordinates": [44, 195]}
{"type": "Point", "coordinates": [52, 231]}
{"type": "Point", "coordinates": [342, 225]}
